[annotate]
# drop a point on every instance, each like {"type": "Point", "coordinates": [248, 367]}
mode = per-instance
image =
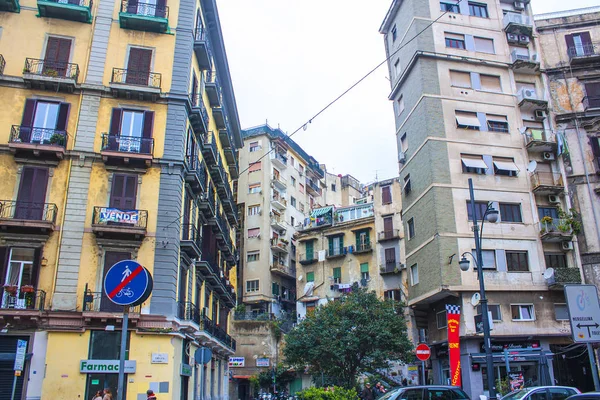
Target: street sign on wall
{"type": "Point", "coordinates": [584, 312]}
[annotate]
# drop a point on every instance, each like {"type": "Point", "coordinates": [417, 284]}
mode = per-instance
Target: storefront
{"type": "Point", "coordinates": [8, 349]}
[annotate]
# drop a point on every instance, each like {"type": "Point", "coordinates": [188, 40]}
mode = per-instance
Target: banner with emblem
{"type": "Point", "coordinates": [453, 316]}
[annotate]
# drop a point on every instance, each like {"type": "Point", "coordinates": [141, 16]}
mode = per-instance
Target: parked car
{"type": "Point", "coordinates": [585, 396]}
{"type": "Point", "coordinates": [432, 392]}
{"type": "Point", "coordinates": [542, 393]}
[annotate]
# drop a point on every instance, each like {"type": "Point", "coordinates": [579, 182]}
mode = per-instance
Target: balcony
{"type": "Point", "coordinates": [391, 267]}
{"type": "Point", "coordinates": [72, 10]}
{"type": "Point", "coordinates": [219, 176]}
{"type": "Point", "coordinates": [308, 258]}
{"type": "Point", "coordinates": [279, 160]}
{"type": "Point", "coordinates": [363, 248]}
{"type": "Point", "coordinates": [336, 252]}
{"type": "Point", "coordinates": [112, 223]}
{"type": "Point", "coordinates": [213, 89]}
{"type": "Point", "coordinates": [126, 150]}
{"type": "Point", "coordinates": [191, 241]}
{"type": "Point", "coordinates": [279, 203]}
{"type": "Point", "coordinates": [547, 183]}
{"type": "Point", "coordinates": [231, 211]}
{"type": "Point", "coordinates": [202, 49]}
{"type": "Point", "coordinates": [50, 75]}
{"type": "Point", "coordinates": [517, 24]}
{"type": "Point", "coordinates": [27, 218]}
{"type": "Point", "coordinates": [199, 118]}
{"type": "Point", "coordinates": [225, 137]}
{"type": "Point", "coordinates": [220, 116]}
{"type": "Point", "coordinates": [10, 5]}
{"type": "Point", "coordinates": [584, 53]}
{"type": "Point", "coordinates": [525, 63]}
{"type": "Point", "coordinates": [590, 103]}
{"type": "Point", "coordinates": [279, 246]}
{"type": "Point", "coordinates": [284, 271]}
{"type": "Point", "coordinates": [564, 276]}
{"type": "Point", "coordinates": [279, 182]}
{"type": "Point", "coordinates": [37, 143]}
{"type": "Point", "coordinates": [97, 302]}
{"type": "Point", "coordinates": [195, 173]}
{"type": "Point", "coordinates": [312, 187]}
{"type": "Point", "coordinates": [209, 149]}
{"type": "Point", "coordinates": [555, 230]}
{"type": "Point", "coordinates": [188, 311]}
{"type": "Point", "coordinates": [215, 334]}
{"type": "Point", "coordinates": [142, 16]}
{"type": "Point", "coordinates": [540, 140]}
{"type": "Point", "coordinates": [135, 85]}
{"type": "Point", "coordinates": [393, 234]}
{"type": "Point", "coordinates": [207, 268]}
{"type": "Point", "coordinates": [529, 101]}
{"type": "Point", "coordinates": [278, 223]}
{"type": "Point", "coordinates": [23, 298]}
{"type": "Point", "coordinates": [207, 204]}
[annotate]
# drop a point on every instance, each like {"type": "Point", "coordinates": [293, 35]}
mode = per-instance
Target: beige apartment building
{"type": "Point", "coordinates": [470, 103]}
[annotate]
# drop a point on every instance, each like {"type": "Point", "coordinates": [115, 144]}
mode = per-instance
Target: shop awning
{"type": "Point", "coordinates": [242, 376]}
{"type": "Point", "coordinates": [321, 211]}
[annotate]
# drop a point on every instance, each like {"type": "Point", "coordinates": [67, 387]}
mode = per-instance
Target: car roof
{"type": "Point", "coordinates": [583, 395]}
{"type": "Point", "coordinates": [431, 387]}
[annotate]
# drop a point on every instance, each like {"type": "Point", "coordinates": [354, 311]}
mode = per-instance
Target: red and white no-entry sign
{"type": "Point", "coordinates": [423, 352]}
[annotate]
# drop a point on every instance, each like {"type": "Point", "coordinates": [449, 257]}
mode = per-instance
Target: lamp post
{"type": "Point", "coordinates": [491, 215]}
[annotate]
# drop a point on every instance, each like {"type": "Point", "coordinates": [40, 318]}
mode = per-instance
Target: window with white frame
{"type": "Point", "coordinates": [489, 259]}
{"type": "Point", "coordinates": [252, 286]}
{"type": "Point", "coordinates": [522, 312]}
{"type": "Point", "coordinates": [254, 146]}
{"type": "Point", "coordinates": [404, 143]}
{"type": "Point", "coordinates": [442, 319]}
{"type": "Point", "coordinates": [253, 256]}
{"type": "Point", "coordinates": [414, 274]}
{"type": "Point", "coordinates": [254, 210]}
{"type": "Point", "coordinates": [467, 120]}
{"type": "Point", "coordinates": [254, 188]}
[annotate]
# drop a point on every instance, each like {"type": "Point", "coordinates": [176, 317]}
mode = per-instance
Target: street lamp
{"type": "Point", "coordinates": [491, 215]}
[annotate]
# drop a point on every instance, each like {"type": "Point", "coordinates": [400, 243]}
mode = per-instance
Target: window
{"type": "Point", "coordinates": [522, 312]}
{"type": "Point", "coordinates": [400, 105]}
{"type": "Point", "coordinates": [480, 209]}
{"type": "Point", "coordinates": [488, 257]}
{"type": "Point", "coordinates": [42, 120]}
{"type": "Point", "coordinates": [364, 271]}
{"type": "Point", "coordinates": [136, 125]}
{"type": "Point", "coordinates": [386, 194]}
{"type": "Point", "coordinates": [20, 268]}
{"type": "Point", "coordinates": [254, 210]}
{"type": "Point", "coordinates": [301, 188]}
{"type": "Point", "coordinates": [579, 44]}
{"type": "Point", "coordinates": [414, 274]}
{"type": "Point", "coordinates": [494, 309]}
{"type": "Point", "coordinates": [388, 226]}
{"type": "Point", "coordinates": [478, 10]}
{"type": "Point", "coordinates": [254, 188]}
{"type": "Point", "coordinates": [442, 319]}
{"type": "Point", "coordinates": [138, 66]}
{"type": "Point", "coordinates": [292, 221]}
{"type": "Point", "coordinates": [293, 201]}
{"type": "Point", "coordinates": [275, 289]}
{"type": "Point", "coordinates": [333, 187]}
{"type": "Point", "coordinates": [556, 260]}
{"type": "Point", "coordinates": [393, 294]}
{"type": "Point", "coordinates": [497, 123]}
{"type": "Point", "coordinates": [310, 250]}
{"type": "Point", "coordinates": [253, 232]}
{"type": "Point", "coordinates": [407, 187]}
{"type": "Point", "coordinates": [254, 146]}
{"type": "Point", "coordinates": [32, 194]}
{"type": "Point", "coordinates": [411, 228]}
{"type": "Point", "coordinates": [394, 33]}
{"type": "Point", "coordinates": [253, 256]}
{"type": "Point", "coordinates": [310, 277]}
{"type": "Point", "coordinates": [455, 41]}
{"type": "Point", "coordinates": [473, 164]}
{"type": "Point", "coordinates": [292, 161]}
{"type": "Point", "coordinates": [301, 207]}
{"type": "Point", "coordinates": [467, 120]}
{"type": "Point", "coordinates": [505, 166]}
{"type": "Point", "coordinates": [403, 143]}
{"type": "Point", "coordinates": [510, 212]}
{"type": "Point", "coordinates": [254, 167]}
{"type": "Point", "coordinates": [397, 67]}
{"type": "Point", "coordinates": [337, 275]}
{"type": "Point", "coordinates": [490, 83]}
{"type": "Point", "coordinates": [123, 192]}
{"type": "Point", "coordinates": [592, 92]}
{"type": "Point", "coordinates": [516, 261]}
{"type": "Point", "coordinates": [484, 45]}
{"type": "Point", "coordinates": [301, 169]}
{"type": "Point", "coordinates": [460, 79]}
{"type": "Point", "coordinates": [293, 181]}
{"type": "Point", "coordinates": [561, 312]}
{"type": "Point", "coordinates": [390, 258]}
{"type": "Point", "coordinates": [252, 286]}
{"type": "Point", "coordinates": [449, 7]}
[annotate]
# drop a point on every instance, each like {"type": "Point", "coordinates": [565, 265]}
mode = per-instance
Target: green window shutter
{"type": "Point", "coordinates": [364, 267]}
{"type": "Point", "coordinates": [341, 242]}
{"type": "Point", "coordinates": [275, 289]}
{"type": "Point", "coordinates": [337, 273]}
{"type": "Point", "coordinates": [330, 245]}
{"type": "Point", "coordinates": [309, 249]}
{"type": "Point", "coordinates": [368, 241]}
{"type": "Point", "coordinates": [310, 277]}
{"type": "Point", "coordinates": [357, 234]}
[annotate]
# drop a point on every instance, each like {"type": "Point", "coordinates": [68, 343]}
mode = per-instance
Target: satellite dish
{"type": "Point", "coordinates": [548, 273]}
{"type": "Point", "coordinates": [300, 278]}
{"type": "Point", "coordinates": [532, 166]}
{"type": "Point", "coordinates": [475, 299]}
{"type": "Point", "coordinates": [523, 129]}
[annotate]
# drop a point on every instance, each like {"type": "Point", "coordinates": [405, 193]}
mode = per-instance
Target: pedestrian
{"type": "Point", "coordinates": [367, 393]}
{"type": "Point", "coordinates": [151, 395]}
{"type": "Point", "coordinates": [107, 394]}
{"type": "Point", "coordinates": [98, 395]}
{"type": "Point", "coordinates": [404, 382]}
{"type": "Point", "coordinates": [379, 389]}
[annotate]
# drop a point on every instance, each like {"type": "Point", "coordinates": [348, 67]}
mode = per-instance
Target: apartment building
{"type": "Point", "coordinates": [571, 55]}
{"type": "Point", "coordinates": [341, 190]}
{"type": "Point", "coordinates": [470, 103]}
{"type": "Point", "coordinates": [118, 142]}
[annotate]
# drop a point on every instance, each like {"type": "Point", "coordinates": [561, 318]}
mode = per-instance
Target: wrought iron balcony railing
{"type": "Point", "coordinates": [144, 9]}
{"type": "Point", "coordinates": [51, 69]}
{"type": "Point", "coordinates": [337, 251]}
{"type": "Point", "coordinates": [33, 135]}
{"type": "Point", "coordinates": [583, 50]}
{"type": "Point", "coordinates": [189, 232]}
{"type": "Point", "coordinates": [10, 209]}
{"type": "Point", "coordinates": [136, 78]}
{"type": "Point", "coordinates": [124, 218]}
{"type": "Point", "coordinates": [198, 104]}
{"type": "Point", "coordinates": [127, 144]}
{"type": "Point", "coordinates": [546, 179]}
{"type": "Point", "coordinates": [388, 235]}
{"type": "Point", "coordinates": [23, 298]}
{"type": "Point", "coordinates": [363, 247]}
{"type": "Point", "coordinates": [188, 311]}
{"type": "Point", "coordinates": [92, 302]}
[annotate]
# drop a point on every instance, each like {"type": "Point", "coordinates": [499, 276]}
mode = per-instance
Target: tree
{"type": "Point", "coordinates": [355, 334]}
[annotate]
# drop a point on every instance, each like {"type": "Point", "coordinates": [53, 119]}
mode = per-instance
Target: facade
{"type": "Point", "coordinates": [341, 190]}
{"type": "Point", "coordinates": [118, 142]}
{"type": "Point", "coordinates": [570, 52]}
{"type": "Point", "coordinates": [470, 103]}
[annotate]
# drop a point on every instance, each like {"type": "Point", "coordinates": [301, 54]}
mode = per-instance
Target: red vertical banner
{"type": "Point", "coordinates": [453, 315]}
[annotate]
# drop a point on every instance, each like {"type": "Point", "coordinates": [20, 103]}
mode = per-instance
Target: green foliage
{"type": "Point", "coordinates": [283, 377]}
{"type": "Point", "coordinates": [334, 393]}
{"type": "Point", "coordinates": [254, 382]}
{"type": "Point", "coordinates": [240, 308]}
{"type": "Point", "coordinates": [503, 386]}
{"type": "Point", "coordinates": [344, 338]}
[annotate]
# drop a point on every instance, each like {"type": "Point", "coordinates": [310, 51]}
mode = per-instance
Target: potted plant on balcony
{"type": "Point", "coordinates": [570, 221]}
{"type": "Point", "coordinates": [57, 139]}
{"type": "Point", "coordinates": [27, 289]}
{"type": "Point", "coordinates": [51, 73]}
{"type": "Point", "coordinates": [11, 289]}
{"type": "Point", "coordinates": [546, 224]}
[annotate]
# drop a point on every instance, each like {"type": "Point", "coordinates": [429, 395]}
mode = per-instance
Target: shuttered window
{"type": "Point", "coordinates": [138, 66]}
{"type": "Point", "coordinates": [255, 166]}
{"type": "Point", "coordinates": [32, 193]}
{"type": "Point", "coordinates": [310, 277]}
{"type": "Point", "coordinates": [253, 232]}
{"type": "Point", "coordinates": [386, 194]}
{"type": "Point", "coordinates": [484, 45]}
{"type": "Point", "coordinates": [490, 83]}
{"type": "Point", "coordinates": [123, 192]}
{"type": "Point", "coordinates": [460, 79]}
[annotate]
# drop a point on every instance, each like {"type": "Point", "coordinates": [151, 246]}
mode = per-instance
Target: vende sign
{"type": "Point", "coordinates": [105, 366]}
{"type": "Point", "coordinates": [423, 352]}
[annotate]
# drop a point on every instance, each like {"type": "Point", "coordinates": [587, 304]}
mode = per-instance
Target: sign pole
{"type": "Point", "coordinates": [423, 373]}
{"type": "Point", "coordinates": [19, 364]}
{"type": "Point", "coordinates": [592, 356]}
{"type": "Point", "coordinates": [14, 388]}
{"type": "Point", "coordinates": [120, 391]}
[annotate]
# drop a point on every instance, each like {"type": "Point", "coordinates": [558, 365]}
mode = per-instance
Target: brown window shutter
{"type": "Point", "coordinates": [28, 112]}
{"type": "Point", "coordinates": [116, 193]}
{"type": "Point", "coordinates": [63, 116]}
{"type": "Point", "coordinates": [390, 255]}
{"type": "Point", "coordinates": [52, 46]}
{"type": "Point", "coordinates": [388, 224]}
{"type": "Point", "coordinates": [570, 43]}
{"type": "Point", "coordinates": [148, 124]}
{"type": "Point", "coordinates": [115, 121]}
{"type": "Point", "coordinates": [130, 192]}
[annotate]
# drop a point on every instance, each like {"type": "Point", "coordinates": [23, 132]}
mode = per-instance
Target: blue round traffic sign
{"type": "Point", "coordinates": [127, 283]}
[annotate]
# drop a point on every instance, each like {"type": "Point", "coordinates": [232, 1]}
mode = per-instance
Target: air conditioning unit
{"type": "Point", "coordinates": [401, 157]}
{"type": "Point", "coordinates": [534, 57]}
{"type": "Point", "coordinates": [519, 5]}
{"type": "Point", "coordinates": [554, 199]}
{"type": "Point", "coordinates": [548, 156]}
{"type": "Point", "coordinates": [567, 246]}
{"type": "Point", "coordinates": [540, 115]}
{"type": "Point", "coordinates": [528, 94]}
{"type": "Point", "coordinates": [524, 39]}
{"type": "Point", "coordinates": [402, 267]}
{"type": "Point", "coordinates": [512, 38]}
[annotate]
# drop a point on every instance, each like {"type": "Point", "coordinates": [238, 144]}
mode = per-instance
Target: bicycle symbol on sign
{"type": "Point", "coordinates": [125, 292]}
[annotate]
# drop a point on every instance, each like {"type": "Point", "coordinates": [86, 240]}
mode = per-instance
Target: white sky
{"type": "Point", "coordinates": [290, 58]}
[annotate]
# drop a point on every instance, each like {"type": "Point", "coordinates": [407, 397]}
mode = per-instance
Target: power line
{"type": "Point", "coordinates": [305, 125]}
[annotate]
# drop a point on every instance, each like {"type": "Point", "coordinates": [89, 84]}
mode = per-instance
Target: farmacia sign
{"type": "Point", "coordinates": [105, 366]}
